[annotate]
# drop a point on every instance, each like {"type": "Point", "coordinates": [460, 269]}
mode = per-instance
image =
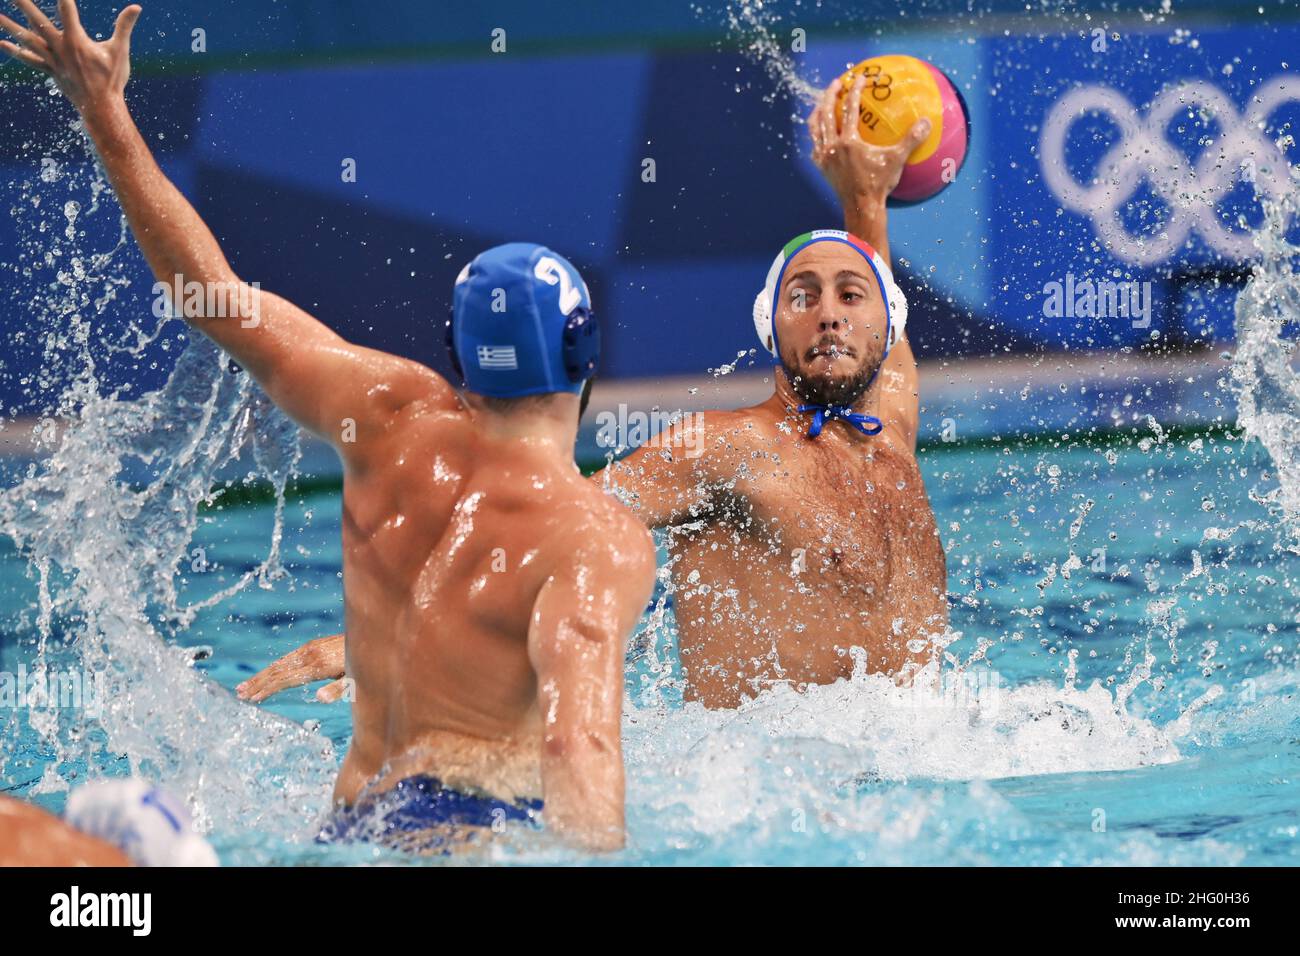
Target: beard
{"type": "Point", "coordinates": [826, 389]}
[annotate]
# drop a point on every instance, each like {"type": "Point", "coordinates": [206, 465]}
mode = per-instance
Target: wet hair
{"type": "Point", "coordinates": [507, 406]}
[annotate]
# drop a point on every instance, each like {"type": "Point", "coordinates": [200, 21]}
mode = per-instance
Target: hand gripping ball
{"type": "Point", "coordinates": [899, 91]}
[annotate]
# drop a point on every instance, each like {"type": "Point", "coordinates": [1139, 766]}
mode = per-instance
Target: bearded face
{"type": "Point", "coordinates": [830, 324]}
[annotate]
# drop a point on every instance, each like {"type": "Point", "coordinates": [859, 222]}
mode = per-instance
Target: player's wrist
{"type": "Point", "coordinates": [864, 200]}
{"type": "Point", "coordinates": [865, 214]}
{"type": "Point", "coordinates": [104, 114]}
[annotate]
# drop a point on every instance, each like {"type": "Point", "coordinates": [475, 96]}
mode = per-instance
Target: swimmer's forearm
{"type": "Point", "coordinates": [583, 782]}
{"type": "Point", "coordinates": [306, 369]}
{"type": "Point", "coordinates": [867, 217]}
{"type": "Point", "coordinates": [582, 619]}
{"type": "Point", "coordinates": [175, 240]}
{"type": "Point", "coordinates": [900, 400]}
{"type": "Point", "coordinates": [93, 76]}
{"type": "Point", "coordinates": [582, 755]}
{"type": "Point", "coordinates": [316, 377]}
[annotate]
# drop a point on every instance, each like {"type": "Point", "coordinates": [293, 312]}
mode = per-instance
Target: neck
{"type": "Point", "coordinates": [549, 422]}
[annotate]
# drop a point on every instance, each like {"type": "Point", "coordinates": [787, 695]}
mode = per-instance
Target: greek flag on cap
{"type": "Point", "coordinates": [521, 323]}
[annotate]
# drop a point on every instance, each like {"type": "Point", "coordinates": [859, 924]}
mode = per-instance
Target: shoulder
{"type": "Point", "coordinates": [599, 526]}
{"type": "Point", "coordinates": [900, 439]}
{"type": "Point", "coordinates": [738, 426]}
{"type": "Point", "coordinates": [715, 437]}
{"type": "Point", "coordinates": [425, 390]}
{"type": "Point", "coordinates": [603, 559]}
{"type": "Point", "coordinates": [416, 400]}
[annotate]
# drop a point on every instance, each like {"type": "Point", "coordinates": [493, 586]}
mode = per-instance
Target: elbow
{"type": "Point", "coordinates": [578, 744]}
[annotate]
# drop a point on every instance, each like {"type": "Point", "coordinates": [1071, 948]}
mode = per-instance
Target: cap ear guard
{"type": "Point", "coordinates": [763, 321]}
{"type": "Point", "coordinates": [896, 301]}
{"type": "Point", "coordinates": [451, 345]}
{"type": "Point", "coordinates": [581, 345]}
{"type": "Point", "coordinates": [461, 278]}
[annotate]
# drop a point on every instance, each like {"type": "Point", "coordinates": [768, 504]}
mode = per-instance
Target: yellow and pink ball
{"type": "Point", "coordinates": [899, 91]}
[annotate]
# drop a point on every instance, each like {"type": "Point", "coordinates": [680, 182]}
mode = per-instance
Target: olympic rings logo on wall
{"type": "Point", "coordinates": [1192, 192]}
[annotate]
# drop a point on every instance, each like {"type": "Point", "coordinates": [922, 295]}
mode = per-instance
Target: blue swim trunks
{"type": "Point", "coordinates": [422, 805]}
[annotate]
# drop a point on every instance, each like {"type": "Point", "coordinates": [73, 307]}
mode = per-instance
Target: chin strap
{"type": "Point", "coordinates": [824, 413]}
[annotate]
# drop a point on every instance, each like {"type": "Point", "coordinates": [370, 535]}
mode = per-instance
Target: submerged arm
{"type": "Point", "coordinates": [577, 640]}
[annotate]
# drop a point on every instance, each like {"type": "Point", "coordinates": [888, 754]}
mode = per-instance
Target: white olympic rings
{"type": "Point", "coordinates": [1192, 192]}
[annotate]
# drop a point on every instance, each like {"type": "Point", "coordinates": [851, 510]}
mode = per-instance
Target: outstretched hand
{"type": "Point", "coordinates": [321, 659]}
{"type": "Point", "coordinates": [86, 71]}
{"type": "Point", "coordinates": [856, 169]}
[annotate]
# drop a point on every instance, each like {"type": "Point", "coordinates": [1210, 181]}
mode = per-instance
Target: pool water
{"type": "Point", "coordinates": [1122, 689]}
{"type": "Point", "coordinates": [1120, 685]}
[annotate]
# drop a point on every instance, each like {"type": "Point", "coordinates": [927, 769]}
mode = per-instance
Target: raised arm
{"type": "Point", "coordinates": [581, 623]}
{"type": "Point", "coordinates": [863, 176]}
{"type": "Point", "coordinates": [316, 377]}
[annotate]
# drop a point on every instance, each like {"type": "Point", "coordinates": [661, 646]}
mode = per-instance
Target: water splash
{"type": "Point", "coordinates": [757, 28]}
{"type": "Point", "coordinates": [1266, 383]}
{"type": "Point", "coordinates": [105, 519]}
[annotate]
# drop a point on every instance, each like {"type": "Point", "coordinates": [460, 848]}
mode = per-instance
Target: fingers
{"type": "Point", "coordinates": [321, 659]}
{"type": "Point", "coordinates": [849, 127]}
{"type": "Point", "coordinates": [814, 132]}
{"type": "Point", "coordinates": [333, 691]}
{"type": "Point", "coordinates": [70, 18]}
{"type": "Point", "coordinates": [125, 24]}
{"type": "Point", "coordinates": [821, 121]}
{"type": "Point", "coordinates": [38, 20]}
{"type": "Point", "coordinates": [33, 41]}
{"type": "Point", "coordinates": [24, 56]}
{"type": "Point", "coordinates": [260, 686]}
{"type": "Point", "coordinates": [915, 136]}
{"type": "Point", "coordinates": [267, 682]}
{"type": "Point", "coordinates": [828, 112]}
{"type": "Point", "coordinates": [815, 127]}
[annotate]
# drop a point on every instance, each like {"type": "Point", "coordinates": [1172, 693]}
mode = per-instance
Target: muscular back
{"type": "Point", "coordinates": [449, 537]}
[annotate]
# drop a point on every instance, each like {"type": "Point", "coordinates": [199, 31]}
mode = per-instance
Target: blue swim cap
{"type": "Point", "coordinates": [521, 323]}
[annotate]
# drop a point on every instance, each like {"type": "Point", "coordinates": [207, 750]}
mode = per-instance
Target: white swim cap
{"type": "Point", "coordinates": [145, 823]}
{"type": "Point", "coordinates": [765, 304]}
